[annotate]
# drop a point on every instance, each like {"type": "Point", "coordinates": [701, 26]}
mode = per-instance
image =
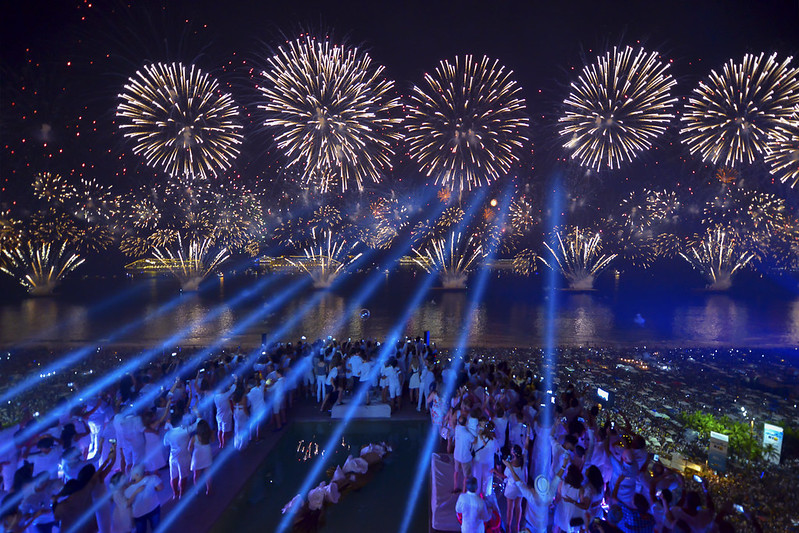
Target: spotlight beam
{"type": "Point", "coordinates": [147, 399]}
{"type": "Point", "coordinates": [296, 373]}
{"type": "Point", "coordinates": [449, 387]}
{"type": "Point", "coordinates": [79, 354]}
{"type": "Point", "coordinates": [129, 366]}
{"type": "Point", "coordinates": [362, 390]}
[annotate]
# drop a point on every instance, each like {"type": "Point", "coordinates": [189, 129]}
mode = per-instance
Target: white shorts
{"type": "Point", "coordinates": [179, 467]}
{"type": "Point", "coordinates": [394, 389]}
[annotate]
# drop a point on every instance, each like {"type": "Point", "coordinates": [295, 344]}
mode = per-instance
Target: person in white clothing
{"type": "Point", "coordinates": [143, 494]}
{"type": "Point", "coordinates": [257, 404]}
{"type": "Point", "coordinates": [472, 508]}
{"type": "Point", "coordinates": [177, 439]}
{"type": "Point", "coordinates": [224, 413]}
{"type": "Point", "coordinates": [201, 456]}
{"type": "Point", "coordinates": [464, 439]}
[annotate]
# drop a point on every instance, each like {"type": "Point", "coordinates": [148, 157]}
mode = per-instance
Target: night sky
{"type": "Point", "coordinates": [64, 64]}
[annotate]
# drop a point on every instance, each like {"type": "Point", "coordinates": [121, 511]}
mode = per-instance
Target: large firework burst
{"type": "Point", "coordinates": [732, 116]}
{"type": "Point", "coordinates": [578, 257]}
{"type": "Point", "coordinates": [192, 264]}
{"type": "Point", "coordinates": [450, 257]}
{"type": "Point", "coordinates": [325, 258]}
{"type": "Point", "coordinates": [180, 120]}
{"type": "Point", "coordinates": [39, 267]}
{"type": "Point", "coordinates": [466, 126]}
{"type": "Point", "coordinates": [718, 257]}
{"type": "Point", "coordinates": [332, 112]}
{"type": "Point", "coordinates": [617, 107]}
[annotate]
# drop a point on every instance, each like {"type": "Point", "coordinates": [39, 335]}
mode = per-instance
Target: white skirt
{"type": "Point", "coordinates": [201, 457]}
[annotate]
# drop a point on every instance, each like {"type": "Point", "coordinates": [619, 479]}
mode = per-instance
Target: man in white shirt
{"type": "Point", "coordinates": [472, 508]}
{"type": "Point", "coordinates": [463, 452]}
{"type": "Point", "coordinates": [177, 439]}
{"type": "Point", "coordinates": [46, 461]}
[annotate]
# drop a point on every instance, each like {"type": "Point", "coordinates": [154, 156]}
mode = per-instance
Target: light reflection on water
{"type": "Point", "coordinates": [511, 314]}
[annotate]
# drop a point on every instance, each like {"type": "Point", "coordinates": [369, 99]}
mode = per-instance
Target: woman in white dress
{"type": "Point", "coordinates": [201, 456]}
{"type": "Point", "coordinates": [154, 457]}
{"type": "Point", "coordinates": [224, 413]}
{"type": "Point", "coordinates": [415, 381]}
{"type": "Point", "coordinates": [570, 501]}
{"type": "Point", "coordinates": [241, 419]}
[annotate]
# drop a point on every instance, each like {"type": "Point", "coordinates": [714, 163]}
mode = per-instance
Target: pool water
{"type": "Point", "coordinates": [382, 501]}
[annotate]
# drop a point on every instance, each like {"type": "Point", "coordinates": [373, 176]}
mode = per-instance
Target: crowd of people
{"type": "Point", "coordinates": [99, 463]}
{"type": "Point", "coordinates": [548, 457]}
{"type": "Point", "coordinates": [563, 464]}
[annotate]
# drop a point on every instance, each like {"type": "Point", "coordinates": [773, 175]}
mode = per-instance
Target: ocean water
{"type": "Point", "coordinates": [511, 313]}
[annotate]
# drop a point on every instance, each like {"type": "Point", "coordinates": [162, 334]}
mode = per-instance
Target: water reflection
{"type": "Point", "coordinates": [720, 319]}
{"type": "Point", "coordinates": [507, 316]}
{"type": "Point", "coordinates": [793, 325]}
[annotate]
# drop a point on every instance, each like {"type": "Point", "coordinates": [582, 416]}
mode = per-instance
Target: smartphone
{"type": "Point", "coordinates": [112, 441]}
{"type": "Point", "coordinates": [658, 494]}
{"type": "Point", "coordinates": [738, 508]}
{"type": "Point", "coordinates": [656, 458]}
{"type": "Point", "coordinates": [202, 370]}
{"type": "Point", "coordinates": [697, 478]}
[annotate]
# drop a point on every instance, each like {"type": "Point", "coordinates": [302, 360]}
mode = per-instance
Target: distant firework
{"type": "Point", "coordinates": [180, 121]}
{"type": "Point", "coordinates": [326, 257]}
{"type": "Point", "coordinates": [718, 257]}
{"type": "Point", "coordinates": [617, 107]}
{"type": "Point", "coordinates": [52, 188]}
{"type": "Point", "coordinates": [524, 262]}
{"type": "Point", "coordinates": [466, 125]}
{"type": "Point", "coordinates": [331, 110]}
{"type": "Point", "coordinates": [783, 151]}
{"type": "Point", "coordinates": [192, 264]}
{"type": "Point", "coordinates": [522, 215]}
{"type": "Point", "coordinates": [450, 257]}
{"type": "Point", "coordinates": [727, 175]}
{"type": "Point", "coordinates": [93, 200]}
{"type": "Point", "coordinates": [732, 116]}
{"type": "Point", "coordinates": [39, 267]}
{"type": "Point", "coordinates": [578, 256]}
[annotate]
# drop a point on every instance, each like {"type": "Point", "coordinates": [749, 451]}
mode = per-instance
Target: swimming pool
{"type": "Point", "coordinates": [257, 507]}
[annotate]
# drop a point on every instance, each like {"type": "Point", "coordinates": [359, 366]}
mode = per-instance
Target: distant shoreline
{"type": "Point", "coordinates": [248, 345]}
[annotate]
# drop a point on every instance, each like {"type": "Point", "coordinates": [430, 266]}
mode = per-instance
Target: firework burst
{"type": "Point", "coordinates": [94, 201]}
{"type": "Point", "coordinates": [450, 257]}
{"type": "Point", "coordinates": [718, 257]}
{"type": "Point", "coordinates": [325, 258]}
{"type": "Point", "coordinates": [332, 113]}
{"type": "Point", "coordinates": [578, 257]}
{"type": "Point", "coordinates": [192, 264]}
{"type": "Point", "coordinates": [525, 262]}
{"type": "Point", "coordinates": [180, 121]}
{"type": "Point", "coordinates": [783, 152]}
{"type": "Point", "coordinates": [40, 268]}
{"type": "Point", "coordinates": [618, 106]}
{"type": "Point", "coordinates": [523, 218]}
{"type": "Point", "coordinates": [466, 125]}
{"type": "Point", "coordinates": [732, 116]}
{"type": "Point", "coordinates": [52, 188]}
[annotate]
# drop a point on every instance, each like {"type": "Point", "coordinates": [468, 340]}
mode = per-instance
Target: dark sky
{"type": "Point", "coordinates": [58, 49]}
